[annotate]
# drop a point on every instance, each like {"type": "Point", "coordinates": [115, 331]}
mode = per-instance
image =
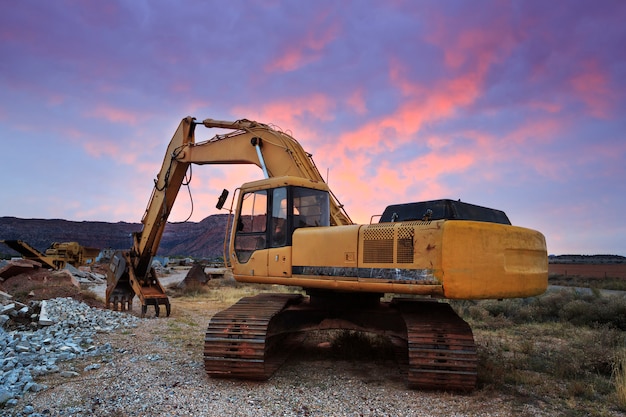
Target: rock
{"type": "Point", "coordinates": [44, 320]}
{"type": "Point", "coordinates": [16, 267]}
{"type": "Point", "coordinates": [27, 354]}
{"type": "Point", "coordinates": [7, 308]}
{"type": "Point", "coordinates": [92, 367]}
{"type": "Point", "coordinates": [64, 273]}
{"type": "Point", "coordinates": [5, 396]}
{"type": "Point", "coordinates": [22, 348]}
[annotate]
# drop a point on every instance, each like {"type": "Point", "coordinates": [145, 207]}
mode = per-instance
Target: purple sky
{"type": "Point", "coordinates": [516, 105]}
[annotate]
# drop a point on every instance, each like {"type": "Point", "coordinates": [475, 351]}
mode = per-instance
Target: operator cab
{"type": "Point", "coordinates": [269, 211]}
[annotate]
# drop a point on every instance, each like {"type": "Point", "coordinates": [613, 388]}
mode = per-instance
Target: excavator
{"type": "Point", "coordinates": [390, 278]}
{"type": "Point", "coordinates": [57, 255]}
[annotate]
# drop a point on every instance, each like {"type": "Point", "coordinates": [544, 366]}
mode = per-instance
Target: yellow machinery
{"type": "Point", "coordinates": [57, 255]}
{"type": "Point", "coordinates": [289, 229]}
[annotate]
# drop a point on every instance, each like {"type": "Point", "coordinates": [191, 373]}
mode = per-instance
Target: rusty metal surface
{"type": "Point", "coordinates": [441, 350]}
{"type": "Point", "coordinates": [237, 343]}
{"type": "Point", "coordinates": [123, 286]}
{"type": "Point", "coordinates": [120, 298]}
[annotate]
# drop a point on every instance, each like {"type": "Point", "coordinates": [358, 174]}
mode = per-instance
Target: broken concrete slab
{"type": "Point", "coordinates": [16, 267]}
{"type": "Point", "coordinates": [84, 276]}
{"type": "Point", "coordinates": [7, 308]}
{"type": "Point", "coordinates": [64, 273]}
{"type": "Point", "coordinates": [194, 276]}
{"type": "Point", "coordinates": [44, 319]}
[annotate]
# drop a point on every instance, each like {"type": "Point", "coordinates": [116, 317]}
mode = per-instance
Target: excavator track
{"type": "Point", "coordinates": [239, 340]}
{"type": "Point", "coordinates": [439, 344]}
{"type": "Point", "coordinates": [441, 350]}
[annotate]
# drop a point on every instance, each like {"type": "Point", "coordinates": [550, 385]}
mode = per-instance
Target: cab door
{"type": "Point", "coordinates": [251, 232]}
{"type": "Point", "coordinates": [279, 252]}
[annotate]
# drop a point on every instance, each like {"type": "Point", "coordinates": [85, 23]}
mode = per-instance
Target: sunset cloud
{"type": "Point", "coordinates": [308, 47]}
{"type": "Point", "coordinates": [517, 106]}
{"type": "Point", "coordinates": [592, 88]}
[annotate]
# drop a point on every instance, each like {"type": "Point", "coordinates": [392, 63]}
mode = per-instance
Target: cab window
{"type": "Point", "coordinates": [251, 225]}
{"type": "Point", "coordinates": [279, 225]}
{"type": "Point", "coordinates": [311, 208]}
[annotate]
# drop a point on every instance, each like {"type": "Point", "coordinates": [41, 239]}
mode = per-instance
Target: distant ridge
{"type": "Point", "coordinates": [204, 239]}
{"type": "Point", "coordinates": [587, 259]}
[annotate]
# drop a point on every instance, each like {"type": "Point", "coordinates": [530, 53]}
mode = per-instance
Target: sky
{"type": "Point", "coordinates": [514, 105]}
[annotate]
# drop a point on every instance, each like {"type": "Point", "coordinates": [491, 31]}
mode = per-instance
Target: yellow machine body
{"type": "Point", "coordinates": [454, 259]}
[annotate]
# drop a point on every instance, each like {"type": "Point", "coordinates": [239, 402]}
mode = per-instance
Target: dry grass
{"type": "Point", "coordinates": [563, 352]}
{"type": "Point", "coordinates": [607, 283]}
{"type": "Point", "coordinates": [563, 349]}
{"type": "Point", "coordinates": [619, 377]}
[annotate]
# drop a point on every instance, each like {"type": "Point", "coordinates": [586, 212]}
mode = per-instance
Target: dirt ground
{"type": "Point", "coordinates": [316, 380]}
{"type": "Point", "coordinates": [589, 270]}
{"type": "Point", "coordinates": [44, 284]}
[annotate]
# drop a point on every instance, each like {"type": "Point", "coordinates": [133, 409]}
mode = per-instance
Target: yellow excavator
{"type": "Point", "coordinates": [57, 255]}
{"type": "Point", "coordinates": [290, 229]}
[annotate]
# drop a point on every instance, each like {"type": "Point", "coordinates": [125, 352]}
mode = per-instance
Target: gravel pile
{"type": "Point", "coordinates": [27, 354]}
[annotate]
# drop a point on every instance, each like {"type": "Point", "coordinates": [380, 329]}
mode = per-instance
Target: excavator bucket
{"type": "Point", "coordinates": [195, 277]}
{"type": "Point", "coordinates": [119, 293]}
{"type": "Point", "coordinates": [123, 285]}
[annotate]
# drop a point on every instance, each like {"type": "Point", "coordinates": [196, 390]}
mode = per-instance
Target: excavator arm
{"type": "Point", "coordinates": [248, 142]}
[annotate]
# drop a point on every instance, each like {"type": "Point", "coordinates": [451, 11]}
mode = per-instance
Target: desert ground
{"type": "Point", "coordinates": [156, 368]}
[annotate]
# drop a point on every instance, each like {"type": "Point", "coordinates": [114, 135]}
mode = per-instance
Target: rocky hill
{"type": "Point", "coordinates": [586, 259]}
{"type": "Point", "coordinates": [204, 239]}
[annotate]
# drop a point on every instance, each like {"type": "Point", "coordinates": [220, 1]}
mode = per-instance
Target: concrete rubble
{"type": "Point", "coordinates": [84, 277]}
{"type": "Point", "coordinates": [38, 349]}
{"type": "Point", "coordinates": [79, 276]}
{"type": "Point", "coordinates": [14, 267]}
{"type": "Point", "coordinates": [38, 337]}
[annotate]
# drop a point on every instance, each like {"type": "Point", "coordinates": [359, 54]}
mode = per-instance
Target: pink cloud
{"type": "Point", "coordinates": [421, 177]}
{"type": "Point", "coordinates": [424, 104]}
{"type": "Point", "coordinates": [102, 148]}
{"type": "Point", "coordinates": [356, 101]}
{"type": "Point", "coordinates": [478, 46]}
{"type": "Point", "coordinates": [474, 48]}
{"type": "Point", "coordinates": [132, 152]}
{"type": "Point", "coordinates": [285, 113]}
{"type": "Point", "coordinates": [367, 193]}
{"type": "Point", "coordinates": [592, 88]}
{"type": "Point", "coordinates": [114, 115]}
{"type": "Point", "coordinates": [180, 86]}
{"type": "Point", "coordinates": [194, 105]}
{"type": "Point", "coordinates": [307, 49]}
